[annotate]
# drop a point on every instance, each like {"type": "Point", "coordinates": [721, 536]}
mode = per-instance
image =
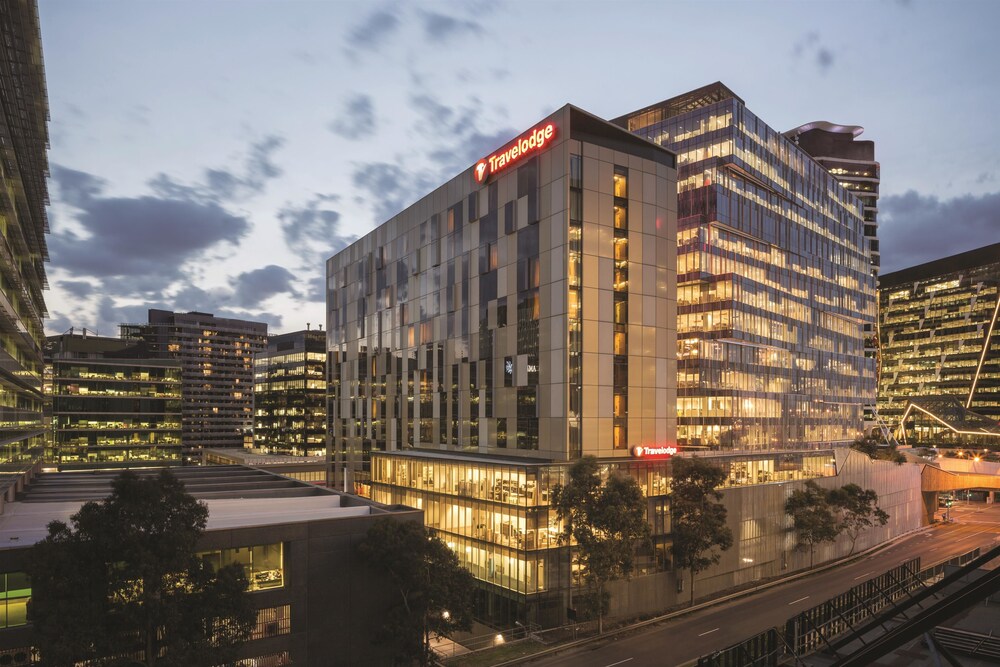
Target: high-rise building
{"type": "Point", "coordinates": [290, 394]}
{"type": "Point", "coordinates": [24, 139]}
{"type": "Point", "coordinates": [852, 162]}
{"type": "Point", "coordinates": [774, 282]}
{"type": "Point", "coordinates": [514, 319]}
{"type": "Point", "coordinates": [941, 347]}
{"type": "Point", "coordinates": [112, 403]}
{"type": "Point", "coordinates": [216, 356]}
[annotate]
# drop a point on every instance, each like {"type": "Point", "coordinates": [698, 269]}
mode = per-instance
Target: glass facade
{"type": "Point", "coordinates": [940, 337]}
{"type": "Point", "coordinates": [23, 227]}
{"type": "Point", "coordinates": [264, 563]}
{"type": "Point", "coordinates": [106, 408]}
{"type": "Point", "coordinates": [15, 594]}
{"type": "Point", "coordinates": [531, 315]}
{"type": "Point", "coordinates": [290, 394]}
{"type": "Point", "coordinates": [774, 282]}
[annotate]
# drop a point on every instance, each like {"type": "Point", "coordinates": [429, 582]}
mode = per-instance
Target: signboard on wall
{"type": "Point", "coordinates": [527, 144]}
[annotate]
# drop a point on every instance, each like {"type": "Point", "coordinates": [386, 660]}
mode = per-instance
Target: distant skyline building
{"type": "Point", "coordinates": [941, 347]}
{"type": "Point", "coordinates": [216, 356]}
{"type": "Point", "coordinates": [290, 394]}
{"type": "Point", "coordinates": [774, 282]}
{"type": "Point", "coordinates": [111, 403]}
{"type": "Point", "coordinates": [24, 136]}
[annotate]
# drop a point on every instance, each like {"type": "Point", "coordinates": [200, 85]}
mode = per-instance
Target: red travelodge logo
{"type": "Point", "coordinates": [660, 452]}
{"type": "Point", "coordinates": [530, 142]}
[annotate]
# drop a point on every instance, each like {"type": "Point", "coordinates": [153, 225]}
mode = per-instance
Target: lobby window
{"type": "Point", "coordinates": [16, 593]}
{"type": "Point", "coordinates": [263, 564]}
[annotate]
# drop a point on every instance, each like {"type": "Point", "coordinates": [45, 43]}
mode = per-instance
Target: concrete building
{"type": "Point", "coordinates": [24, 113]}
{"type": "Point", "coordinates": [318, 604]}
{"type": "Point", "coordinates": [216, 356]}
{"type": "Point", "coordinates": [290, 394]}
{"type": "Point", "coordinates": [941, 348]}
{"type": "Point", "coordinates": [111, 403]}
{"type": "Point", "coordinates": [774, 282]}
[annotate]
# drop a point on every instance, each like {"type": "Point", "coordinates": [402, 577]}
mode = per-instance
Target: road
{"type": "Point", "coordinates": [688, 637]}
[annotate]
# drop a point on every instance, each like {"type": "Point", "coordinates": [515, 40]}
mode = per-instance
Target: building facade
{"type": "Point", "coordinates": [290, 394]}
{"type": "Point", "coordinates": [774, 282]}
{"type": "Point", "coordinates": [523, 308]}
{"type": "Point", "coordinates": [515, 319]}
{"type": "Point", "coordinates": [941, 340]}
{"type": "Point", "coordinates": [112, 403]}
{"type": "Point", "coordinates": [216, 356]}
{"type": "Point", "coordinates": [24, 136]}
{"type": "Point", "coordinates": [318, 601]}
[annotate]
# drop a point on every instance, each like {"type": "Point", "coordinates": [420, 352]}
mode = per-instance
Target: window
{"type": "Point", "coordinates": [263, 564]}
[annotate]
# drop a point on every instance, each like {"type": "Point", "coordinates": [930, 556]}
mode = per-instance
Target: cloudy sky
{"type": "Point", "coordinates": [210, 155]}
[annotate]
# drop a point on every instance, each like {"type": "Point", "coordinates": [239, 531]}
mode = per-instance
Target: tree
{"type": "Point", "coordinates": [436, 593]}
{"type": "Point", "coordinates": [813, 516]}
{"type": "Point", "coordinates": [858, 510]}
{"type": "Point", "coordinates": [608, 522]}
{"type": "Point", "coordinates": [698, 519]}
{"type": "Point", "coordinates": [126, 568]}
{"type": "Point", "coordinates": [878, 450]}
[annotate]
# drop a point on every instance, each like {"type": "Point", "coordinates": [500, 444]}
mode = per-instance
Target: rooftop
{"type": "Point", "coordinates": [237, 497]}
{"type": "Point", "coordinates": [963, 261]}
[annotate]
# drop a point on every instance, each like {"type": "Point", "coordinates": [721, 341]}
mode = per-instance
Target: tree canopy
{"type": "Point", "coordinates": [858, 509]}
{"type": "Point", "coordinates": [878, 450]}
{"type": "Point", "coordinates": [608, 522]}
{"type": "Point", "coordinates": [698, 519]}
{"type": "Point", "coordinates": [813, 516]}
{"type": "Point", "coordinates": [123, 583]}
{"type": "Point", "coordinates": [822, 515]}
{"type": "Point", "coordinates": [435, 594]}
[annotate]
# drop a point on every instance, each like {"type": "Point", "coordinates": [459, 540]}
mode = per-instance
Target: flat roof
{"type": "Point", "coordinates": [25, 523]}
{"type": "Point", "coordinates": [963, 261]}
{"type": "Point", "coordinates": [248, 457]}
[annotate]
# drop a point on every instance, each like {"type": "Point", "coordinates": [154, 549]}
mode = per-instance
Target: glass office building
{"type": "Point", "coordinates": [112, 403]}
{"type": "Point", "coordinates": [290, 394]}
{"type": "Point", "coordinates": [941, 347]}
{"type": "Point", "coordinates": [774, 282]}
{"type": "Point", "coordinates": [24, 113]}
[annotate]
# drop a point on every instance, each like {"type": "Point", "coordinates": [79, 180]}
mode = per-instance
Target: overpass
{"type": "Point", "coordinates": [934, 479]}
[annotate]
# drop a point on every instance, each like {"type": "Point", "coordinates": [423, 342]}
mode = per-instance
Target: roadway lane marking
{"type": "Point", "coordinates": [701, 635]}
{"type": "Point", "coordinates": [799, 600]}
{"type": "Point", "coordinates": [862, 575]}
{"type": "Point", "coordinates": [619, 662]}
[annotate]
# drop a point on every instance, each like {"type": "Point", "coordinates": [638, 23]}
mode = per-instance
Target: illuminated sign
{"type": "Point", "coordinates": [660, 452]}
{"type": "Point", "coordinates": [527, 144]}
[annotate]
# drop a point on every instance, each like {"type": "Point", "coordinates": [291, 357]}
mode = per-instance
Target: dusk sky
{"type": "Point", "coordinates": [211, 155]}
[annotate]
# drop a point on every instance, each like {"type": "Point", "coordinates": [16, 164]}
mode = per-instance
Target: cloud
{"type": "Point", "coordinates": [455, 131]}
{"type": "Point", "coordinates": [358, 119]}
{"type": "Point", "coordinates": [312, 231]}
{"type": "Point", "coordinates": [824, 58]}
{"type": "Point", "coordinates": [221, 185]}
{"type": "Point", "coordinates": [916, 228]}
{"type": "Point", "coordinates": [390, 187]}
{"type": "Point", "coordinates": [81, 289]}
{"type": "Point", "coordinates": [135, 236]}
{"type": "Point", "coordinates": [252, 288]}
{"type": "Point", "coordinates": [811, 45]}
{"type": "Point", "coordinates": [442, 28]}
{"type": "Point", "coordinates": [373, 31]}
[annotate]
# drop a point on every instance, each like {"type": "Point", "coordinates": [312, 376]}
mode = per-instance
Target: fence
{"type": "Point", "coordinates": [810, 630]}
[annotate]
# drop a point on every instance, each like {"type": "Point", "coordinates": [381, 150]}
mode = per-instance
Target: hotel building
{"type": "Point", "coordinates": [112, 403]}
{"type": "Point", "coordinates": [216, 356]}
{"type": "Point", "coordinates": [774, 282]}
{"type": "Point", "coordinates": [24, 136]}
{"type": "Point", "coordinates": [290, 394]}
{"type": "Point", "coordinates": [941, 348]}
{"type": "Point", "coordinates": [516, 318]}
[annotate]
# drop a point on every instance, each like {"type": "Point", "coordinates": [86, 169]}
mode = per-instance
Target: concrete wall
{"type": "Point", "coordinates": [765, 543]}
